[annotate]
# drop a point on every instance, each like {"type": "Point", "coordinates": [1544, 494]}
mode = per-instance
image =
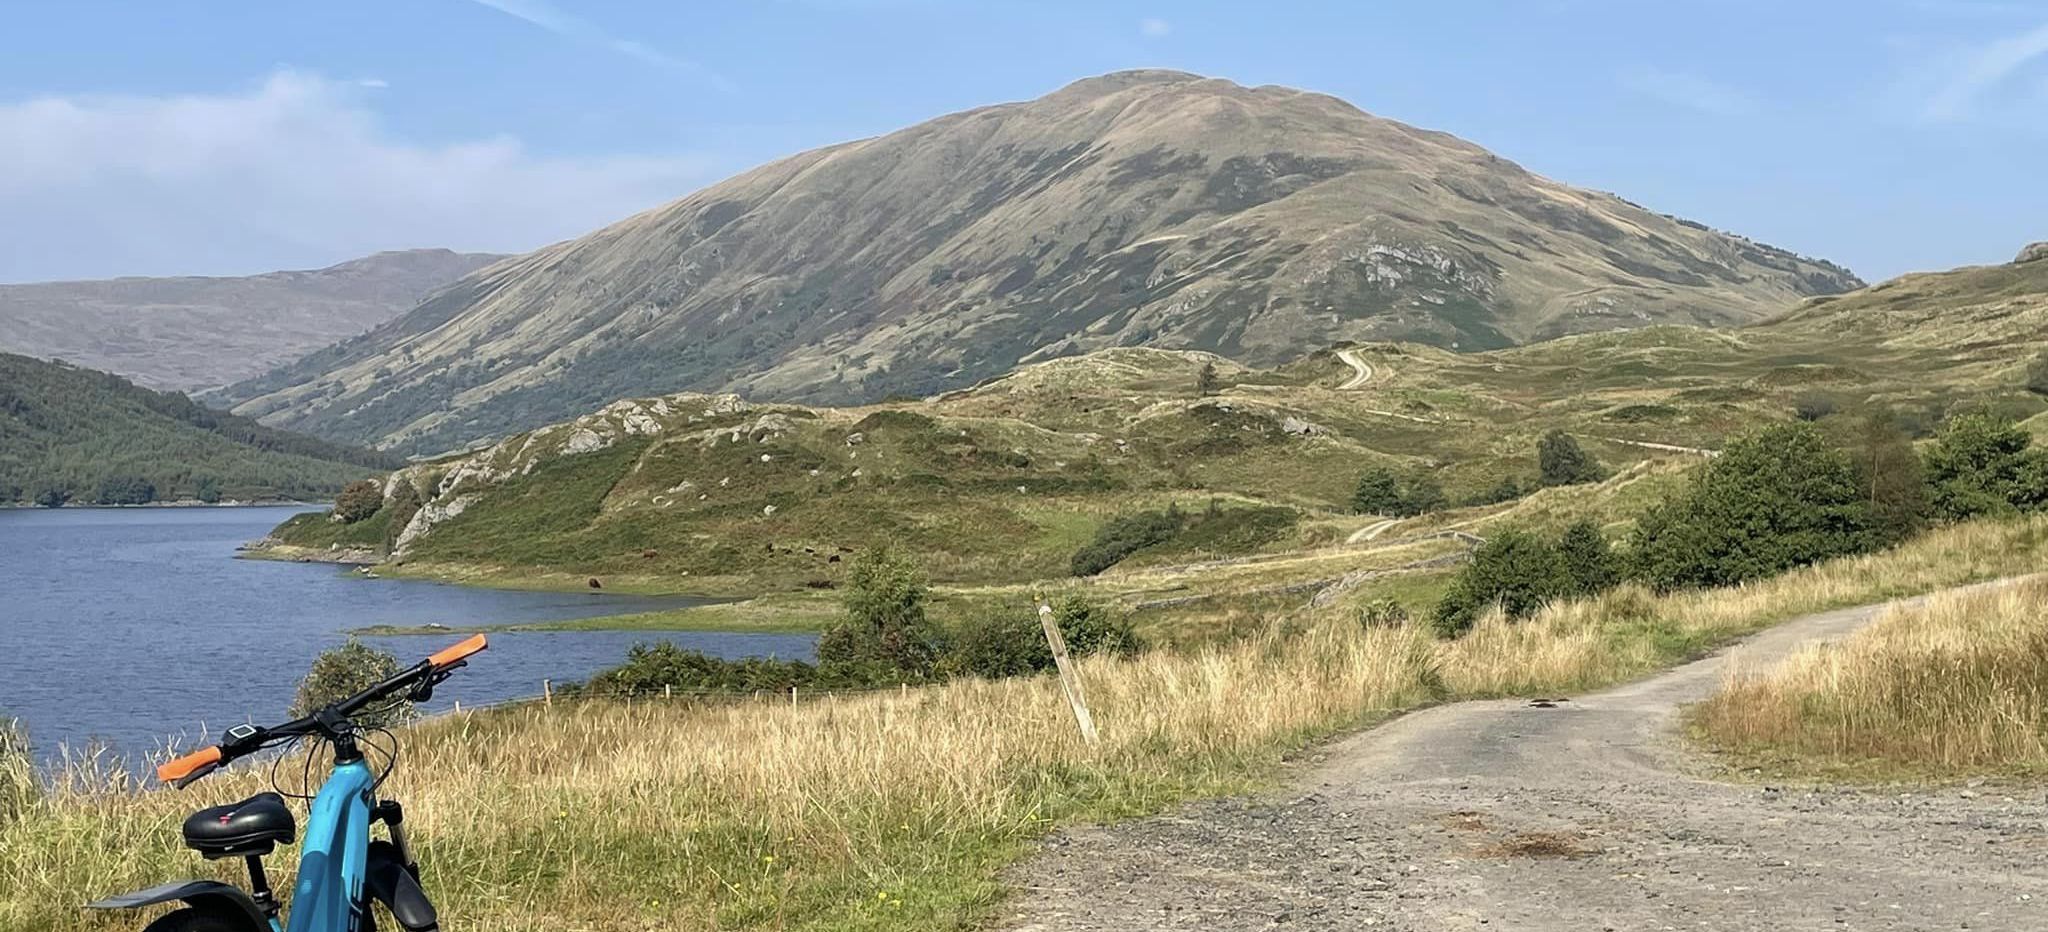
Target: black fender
{"type": "Point", "coordinates": [227, 902]}
{"type": "Point", "coordinates": [388, 880]}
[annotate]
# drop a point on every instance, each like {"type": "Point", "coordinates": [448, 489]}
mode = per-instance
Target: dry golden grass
{"type": "Point", "coordinates": [1955, 686]}
{"type": "Point", "coordinates": [898, 810]}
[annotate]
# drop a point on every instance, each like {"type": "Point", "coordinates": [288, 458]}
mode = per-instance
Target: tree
{"type": "Point", "coordinates": [1587, 561]}
{"type": "Point", "coordinates": [1424, 495]}
{"type": "Point", "coordinates": [359, 501]}
{"type": "Point", "coordinates": [1889, 473]}
{"type": "Point", "coordinates": [125, 490]}
{"type": "Point", "coordinates": [405, 502]}
{"type": "Point", "coordinates": [341, 672]}
{"type": "Point", "coordinates": [1506, 490]}
{"type": "Point", "coordinates": [1980, 465]}
{"type": "Point", "coordinates": [53, 496]}
{"type": "Point", "coordinates": [1515, 569]}
{"type": "Point", "coordinates": [884, 621]}
{"type": "Point", "coordinates": [2037, 375]}
{"type": "Point", "coordinates": [1561, 461]}
{"type": "Point", "coordinates": [206, 489]}
{"type": "Point", "coordinates": [1206, 381]}
{"type": "Point", "coordinates": [1774, 499]}
{"type": "Point", "coordinates": [1379, 493]}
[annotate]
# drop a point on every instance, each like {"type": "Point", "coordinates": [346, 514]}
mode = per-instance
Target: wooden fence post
{"type": "Point", "coordinates": [547, 693]}
{"type": "Point", "coordinates": [1070, 680]}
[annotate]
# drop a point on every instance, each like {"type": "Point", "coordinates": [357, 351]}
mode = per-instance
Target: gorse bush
{"type": "Point", "coordinates": [1561, 461]}
{"type": "Point", "coordinates": [358, 501]}
{"type": "Point", "coordinates": [1515, 569]}
{"type": "Point", "coordinates": [1775, 499]}
{"type": "Point", "coordinates": [341, 672]}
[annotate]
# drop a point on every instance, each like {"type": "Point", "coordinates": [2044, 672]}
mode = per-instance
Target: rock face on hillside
{"type": "Point", "coordinates": [198, 333]}
{"type": "Point", "coordinates": [2033, 253]}
{"type": "Point", "coordinates": [1141, 208]}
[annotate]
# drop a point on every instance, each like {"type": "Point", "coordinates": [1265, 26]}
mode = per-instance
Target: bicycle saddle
{"type": "Point", "coordinates": [250, 827]}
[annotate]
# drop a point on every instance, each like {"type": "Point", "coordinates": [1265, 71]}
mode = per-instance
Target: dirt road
{"type": "Point", "coordinates": [1584, 816]}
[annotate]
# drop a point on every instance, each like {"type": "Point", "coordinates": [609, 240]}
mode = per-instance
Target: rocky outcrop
{"type": "Point", "coordinates": [2033, 253]}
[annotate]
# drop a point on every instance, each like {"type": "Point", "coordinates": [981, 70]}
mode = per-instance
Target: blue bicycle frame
{"type": "Point", "coordinates": [334, 854]}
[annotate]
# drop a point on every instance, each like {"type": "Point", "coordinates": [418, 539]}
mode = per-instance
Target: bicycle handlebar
{"type": "Point", "coordinates": [244, 739]}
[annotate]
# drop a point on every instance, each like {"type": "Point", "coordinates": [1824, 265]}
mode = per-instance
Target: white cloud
{"type": "Point", "coordinates": [1153, 27]}
{"type": "Point", "coordinates": [295, 173]}
{"type": "Point", "coordinates": [1690, 91]}
{"type": "Point", "coordinates": [376, 84]}
{"type": "Point", "coordinates": [547, 16]}
{"type": "Point", "coordinates": [1979, 71]}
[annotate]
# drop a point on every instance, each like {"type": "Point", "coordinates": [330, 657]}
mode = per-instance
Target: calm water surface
{"type": "Point", "coordinates": [133, 625]}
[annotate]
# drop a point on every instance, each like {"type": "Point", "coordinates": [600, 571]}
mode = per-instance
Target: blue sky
{"type": "Point", "coordinates": [221, 137]}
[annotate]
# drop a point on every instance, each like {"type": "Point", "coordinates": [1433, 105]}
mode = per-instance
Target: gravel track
{"type": "Point", "coordinates": [1584, 815]}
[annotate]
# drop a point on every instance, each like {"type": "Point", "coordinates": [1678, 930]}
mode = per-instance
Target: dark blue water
{"type": "Point", "coordinates": [134, 625]}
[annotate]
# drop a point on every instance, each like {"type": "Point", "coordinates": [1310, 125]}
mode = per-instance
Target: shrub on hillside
{"type": "Point", "coordinates": [1381, 492]}
{"type": "Point", "coordinates": [1506, 490]}
{"type": "Point", "coordinates": [405, 502]}
{"type": "Point", "coordinates": [885, 621]}
{"type": "Point", "coordinates": [1889, 472]}
{"type": "Point", "coordinates": [1561, 461]}
{"type": "Point", "coordinates": [1587, 561]}
{"type": "Point", "coordinates": [1011, 641]}
{"type": "Point", "coordinates": [2037, 375]}
{"type": "Point", "coordinates": [1983, 464]}
{"type": "Point", "coordinates": [1774, 499]}
{"type": "Point", "coordinates": [1382, 613]}
{"type": "Point", "coordinates": [1515, 569]}
{"type": "Point", "coordinates": [358, 501]}
{"type": "Point", "coordinates": [1125, 535]}
{"type": "Point", "coordinates": [1378, 492]}
{"type": "Point", "coordinates": [341, 672]}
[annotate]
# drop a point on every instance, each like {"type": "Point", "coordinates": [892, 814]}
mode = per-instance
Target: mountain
{"type": "Point", "coordinates": [999, 483]}
{"type": "Point", "coordinates": [194, 333]}
{"type": "Point", "coordinates": [87, 436]}
{"type": "Point", "coordinates": [1146, 208]}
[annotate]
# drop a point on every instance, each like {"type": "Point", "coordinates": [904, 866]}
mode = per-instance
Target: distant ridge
{"type": "Point", "coordinates": [196, 332]}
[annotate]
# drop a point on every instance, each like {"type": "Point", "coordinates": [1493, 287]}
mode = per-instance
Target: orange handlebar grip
{"type": "Point", "coordinates": [171, 771]}
{"type": "Point", "coordinates": [450, 655]}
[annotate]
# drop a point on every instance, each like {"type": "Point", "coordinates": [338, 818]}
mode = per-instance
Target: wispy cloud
{"type": "Point", "coordinates": [561, 22]}
{"type": "Point", "coordinates": [294, 173]}
{"type": "Point", "coordinates": [1152, 27]}
{"type": "Point", "coordinates": [1982, 70]}
{"type": "Point", "coordinates": [1690, 91]}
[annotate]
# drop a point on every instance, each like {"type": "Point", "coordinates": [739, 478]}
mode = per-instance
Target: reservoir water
{"type": "Point", "coordinates": [130, 626]}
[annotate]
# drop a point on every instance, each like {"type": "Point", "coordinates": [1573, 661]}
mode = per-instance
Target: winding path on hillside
{"type": "Point", "coordinates": [1584, 815]}
{"type": "Point", "coordinates": [1361, 371]}
{"type": "Point", "coordinates": [1371, 531]}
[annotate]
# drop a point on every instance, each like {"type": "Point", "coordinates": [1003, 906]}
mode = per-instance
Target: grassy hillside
{"type": "Point", "coordinates": [91, 436]}
{"type": "Point", "coordinates": [1147, 208]}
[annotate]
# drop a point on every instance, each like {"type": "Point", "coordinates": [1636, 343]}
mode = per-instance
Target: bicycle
{"type": "Point", "coordinates": [341, 869]}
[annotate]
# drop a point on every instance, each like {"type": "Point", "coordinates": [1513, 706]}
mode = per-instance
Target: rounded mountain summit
{"type": "Point", "coordinates": [1150, 208]}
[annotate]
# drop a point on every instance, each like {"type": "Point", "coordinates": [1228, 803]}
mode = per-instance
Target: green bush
{"type": "Point", "coordinates": [2037, 375]}
{"type": "Point", "coordinates": [1774, 499]}
{"type": "Point", "coordinates": [1561, 461]}
{"type": "Point", "coordinates": [359, 500]}
{"type": "Point", "coordinates": [1889, 472]}
{"type": "Point", "coordinates": [1011, 641]}
{"type": "Point", "coordinates": [1589, 564]}
{"type": "Point", "coordinates": [1506, 490]}
{"type": "Point", "coordinates": [1982, 464]}
{"type": "Point", "coordinates": [1123, 536]}
{"type": "Point", "coordinates": [885, 621]}
{"type": "Point", "coordinates": [1382, 613]}
{"type": "Point", "coordinates": [53, 497]}
{"type": "Point", "coordinates": [1518, 570]}
{"type": "Point", "coordinates": [1381, 492]}
{"type": "Point", "coordinates": [405, 502]}
{"type": "Point", "coordinates": [341, 672]}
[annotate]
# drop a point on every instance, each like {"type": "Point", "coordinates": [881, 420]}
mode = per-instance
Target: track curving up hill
{"type": "Point", "coordinates": [1577, 815]}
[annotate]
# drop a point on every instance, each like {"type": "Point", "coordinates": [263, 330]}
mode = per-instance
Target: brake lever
{"type": "Point", "coordinates": [193, 777]}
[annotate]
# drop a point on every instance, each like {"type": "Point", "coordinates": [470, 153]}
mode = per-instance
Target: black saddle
{"type": "Point", "coordinates": [250, 827]}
